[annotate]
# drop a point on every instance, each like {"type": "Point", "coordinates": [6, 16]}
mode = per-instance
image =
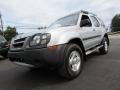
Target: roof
{"type": "Point", "coordinates": [83, 11]}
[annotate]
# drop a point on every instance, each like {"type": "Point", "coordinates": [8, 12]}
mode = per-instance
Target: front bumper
{"type": "Point", "coordinates": [39, 57]}
{"type": "Point", "coordinates": [3, 50]}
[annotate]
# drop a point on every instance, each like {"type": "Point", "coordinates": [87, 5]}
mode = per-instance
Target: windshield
{"type": "Point", "coordinates": [70, 20]}
{"type": "Point", "coordinates": [2, 39]}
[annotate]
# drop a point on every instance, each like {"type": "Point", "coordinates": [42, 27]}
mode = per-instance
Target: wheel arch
{"type": "Point", "coordinates": [78, 41]}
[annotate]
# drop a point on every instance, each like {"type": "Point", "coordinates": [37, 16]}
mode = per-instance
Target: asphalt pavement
{"type": "Point", "coordinates": [101, 72]}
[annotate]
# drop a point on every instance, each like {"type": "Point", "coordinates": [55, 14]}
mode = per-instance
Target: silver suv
{"type": "Point", "coordinates": [63, 45]}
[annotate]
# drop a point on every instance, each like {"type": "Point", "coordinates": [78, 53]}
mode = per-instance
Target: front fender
{"type": "Point", "coordinates": [62, 38]}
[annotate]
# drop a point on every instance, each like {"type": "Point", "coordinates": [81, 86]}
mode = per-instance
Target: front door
{"type": "Point", "coordinates": [88, 32]}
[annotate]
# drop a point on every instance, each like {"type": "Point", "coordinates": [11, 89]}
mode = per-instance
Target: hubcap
{"type": "Point", "coordinates": [75, 60]}
{"type": "Point", "coordinates": [106, 46]}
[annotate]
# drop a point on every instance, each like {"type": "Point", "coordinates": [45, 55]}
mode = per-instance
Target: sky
{"type": "Point", "coordinates": [43, 12]}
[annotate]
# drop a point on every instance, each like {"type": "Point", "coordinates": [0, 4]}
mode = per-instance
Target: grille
{"type": "Point", "coordinates": [19, 43]}
{"type": "Point", "coordinates": [20, 40]}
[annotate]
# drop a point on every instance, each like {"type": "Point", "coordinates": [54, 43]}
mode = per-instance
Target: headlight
{"type": "Point", "coordinates": [35, 40]}
{"type": "Point", "coordinates": [40, 39]}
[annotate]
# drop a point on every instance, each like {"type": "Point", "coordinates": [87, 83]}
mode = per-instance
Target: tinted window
{"type": "Point", "coordinates": [2, 39]}
{"type": "Point", "coordinates": [95, 21]}
{"type": "Point", "coordinates": [85, 21]}
{"type": "Point", "coordinates": [66, 21]}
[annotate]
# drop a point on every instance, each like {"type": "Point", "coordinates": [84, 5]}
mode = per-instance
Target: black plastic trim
{"type": "Point", "coordinates": [91, 37]}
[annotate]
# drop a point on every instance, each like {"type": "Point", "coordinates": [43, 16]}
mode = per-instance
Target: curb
{"type": "Point", "coordinates": [112, 33]}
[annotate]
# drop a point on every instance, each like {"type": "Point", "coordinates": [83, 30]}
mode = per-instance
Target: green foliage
{"type": "Point", "coordinates": [115, 24]}
{"type": "Point", "coordinates": [10, 32]}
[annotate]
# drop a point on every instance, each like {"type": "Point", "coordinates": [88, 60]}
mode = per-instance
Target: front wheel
{"type": "Point", "coordinates": [105, 47]}
{"type": "Point", "coordinates": [73, 62]}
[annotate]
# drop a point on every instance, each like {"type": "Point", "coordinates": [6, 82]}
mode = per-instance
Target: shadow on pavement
{"type": "Point", "coordinates": [2, 58]}
{"type": "Point", "coordinates": [92, 55]}
{"type": "Point", "coordinates": [26, 79]}
{"type": "Point", "coordinates": [20, 78]}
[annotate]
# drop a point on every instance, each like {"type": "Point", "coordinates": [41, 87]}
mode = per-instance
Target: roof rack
{"type": "Point", "coordinates": [83, 11]}
{"type": "Point", "coordinates": [86, 12]}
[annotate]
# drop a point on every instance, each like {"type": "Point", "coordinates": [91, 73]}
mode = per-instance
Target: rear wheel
{"type": "Point", "coordinates": [105, 47]}
{"type": "Point", "coordinates": [73, 63]}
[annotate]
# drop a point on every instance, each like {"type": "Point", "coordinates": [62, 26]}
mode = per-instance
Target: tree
{"type": "Point", "coordinates": [115, 24]}
{"type": "Point", "coordinates": [10, 32]}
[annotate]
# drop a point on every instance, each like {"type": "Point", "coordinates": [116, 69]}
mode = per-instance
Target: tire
{"type": "Point", "coordinates": [104, 49]}
{"type": "Point", "coordinates": [68, 69]}
{"type": "Point", "coordinates": [5, 55]}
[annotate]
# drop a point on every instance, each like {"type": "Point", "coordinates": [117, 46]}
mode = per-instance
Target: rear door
{"type": "Point", "coordinates": [97, 29]}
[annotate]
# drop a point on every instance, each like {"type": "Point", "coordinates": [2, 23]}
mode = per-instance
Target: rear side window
{"type": "Point", "coordinates": [95, 21]}
{"type": "Point", "coordinates": [101, 22]}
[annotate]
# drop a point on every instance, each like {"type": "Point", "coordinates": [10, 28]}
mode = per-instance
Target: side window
{"type": "Point", "coordinates": [85, 21]}
{"type": "Point", "coordinates": [95, 21]}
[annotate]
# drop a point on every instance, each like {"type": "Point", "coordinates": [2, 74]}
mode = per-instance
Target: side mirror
{"type": "Point", "coordinates": [85, 23]}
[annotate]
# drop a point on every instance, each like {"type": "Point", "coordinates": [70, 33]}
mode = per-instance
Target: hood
{"type": "Point", "coordinates": [23, 35]}
{"type": "Point", "coordinates": [62, 29]}
{"type": "Point", "coordinates": [55, 30]}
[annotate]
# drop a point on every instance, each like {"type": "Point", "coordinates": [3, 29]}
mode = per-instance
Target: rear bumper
{"type": "Point", "coordinates": [39, 57]}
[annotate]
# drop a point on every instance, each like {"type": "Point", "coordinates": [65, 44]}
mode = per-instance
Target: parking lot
{"type": "Point", "coordinates": [101, 72]}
